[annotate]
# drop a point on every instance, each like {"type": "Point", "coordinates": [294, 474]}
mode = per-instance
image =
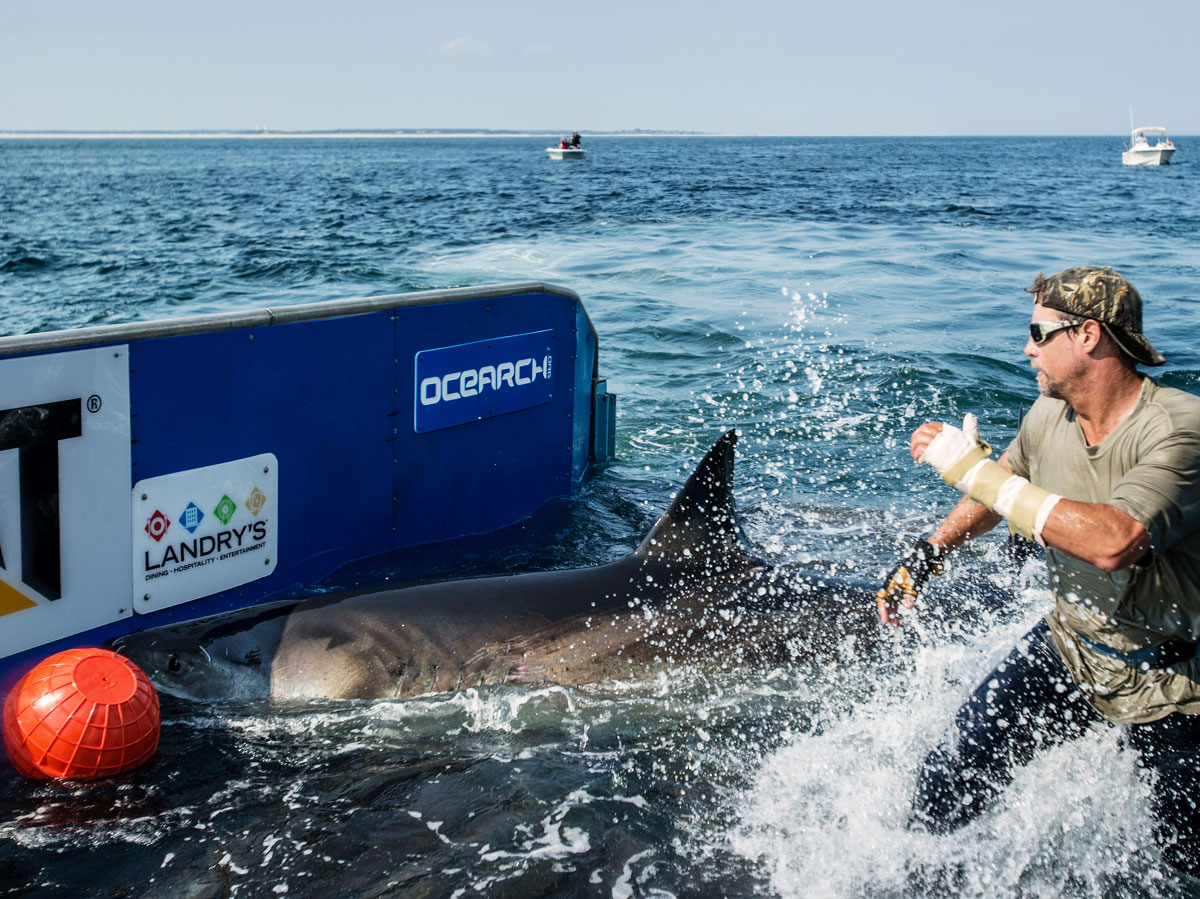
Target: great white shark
{"type": "Point", "coordinates": [692, 592]}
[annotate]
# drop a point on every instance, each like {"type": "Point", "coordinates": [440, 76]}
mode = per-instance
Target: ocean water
{"type": "Point", "coordinates": [824, 296]}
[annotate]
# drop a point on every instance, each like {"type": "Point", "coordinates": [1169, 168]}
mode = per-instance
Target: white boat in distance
{"type": "Point", "coordinates": [1142, 152]}
{"type": "Point", "coordinates": [568, 148]}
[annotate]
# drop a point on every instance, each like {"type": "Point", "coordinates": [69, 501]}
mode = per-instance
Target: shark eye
{"type": "Point", "coordinates": [174, 665]}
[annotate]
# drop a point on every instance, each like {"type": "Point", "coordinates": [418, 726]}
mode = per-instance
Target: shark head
{"type": "Point", "coordinates": [196, 661]}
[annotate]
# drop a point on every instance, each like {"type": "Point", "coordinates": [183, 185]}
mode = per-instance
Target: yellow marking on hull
{"type": "Point", "coordinates": [12, 601]}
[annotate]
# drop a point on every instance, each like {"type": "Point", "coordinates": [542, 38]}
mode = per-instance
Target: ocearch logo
{"type": "Point", "coordinates": [471, 382]}
{"type": "Point", "coordinates": [457, 385]}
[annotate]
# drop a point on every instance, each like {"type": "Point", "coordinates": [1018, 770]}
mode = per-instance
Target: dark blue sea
{"type": "Point", "coordinates": [825, 296]}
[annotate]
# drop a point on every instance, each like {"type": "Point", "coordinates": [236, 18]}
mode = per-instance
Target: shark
{"type": "Point", "coordinates": [693, 592]}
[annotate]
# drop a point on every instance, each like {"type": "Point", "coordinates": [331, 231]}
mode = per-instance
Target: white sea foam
{"type": "Point", "coordinates": [827, 813]}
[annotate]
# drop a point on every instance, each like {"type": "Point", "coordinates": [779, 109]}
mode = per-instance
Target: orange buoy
{"type": "Point", "coordinates": [81, 714]}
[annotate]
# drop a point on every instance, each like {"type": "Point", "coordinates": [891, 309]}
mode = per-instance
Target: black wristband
{"type": "Point", "coordinates": [924, 559]}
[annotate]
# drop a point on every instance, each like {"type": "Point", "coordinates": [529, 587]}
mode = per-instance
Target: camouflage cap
{"type": "Point", "coordinates": [1089, 291]}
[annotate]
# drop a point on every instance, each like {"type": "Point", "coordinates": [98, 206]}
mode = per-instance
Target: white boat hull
{"type": "Point", "coordinates": [569, 153]}
{"type": "Point", "coordinates": [1147, 156]}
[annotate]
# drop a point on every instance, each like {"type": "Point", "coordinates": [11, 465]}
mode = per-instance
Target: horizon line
{"type": "Point", "coordinates": [345, 133]}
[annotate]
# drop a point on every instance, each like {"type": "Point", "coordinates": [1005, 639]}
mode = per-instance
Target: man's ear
{"type": "Point", "coordinates": [1091, 334]}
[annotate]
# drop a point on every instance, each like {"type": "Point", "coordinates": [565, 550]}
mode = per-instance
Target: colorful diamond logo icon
{"type": "Point", "coordinates": [191, 517]}
{"type": "Point", "coordinates": [225, 509]}
{"type": "Point", "coordinates": [256, 501]}
{"type": "Point", "coordinates": [157, 526]}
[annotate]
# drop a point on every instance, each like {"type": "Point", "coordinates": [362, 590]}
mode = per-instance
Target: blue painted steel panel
{"type": "Point", "coordinates": [468, 479]}
{"type": "Point", "coordinates": [319, 395]}
{"type": "Point", "coordinates": [586, 361]}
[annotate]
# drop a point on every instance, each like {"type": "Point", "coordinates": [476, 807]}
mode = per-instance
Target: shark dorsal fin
{"type": "Point", "coordinates": [702, 526]}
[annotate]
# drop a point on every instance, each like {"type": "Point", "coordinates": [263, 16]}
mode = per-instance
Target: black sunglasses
{"type": "Point", "coordinates": [1039, 331]}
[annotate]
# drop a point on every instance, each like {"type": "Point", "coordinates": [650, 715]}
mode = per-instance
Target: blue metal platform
{"type": "Point", "coordinates": [167, 470]}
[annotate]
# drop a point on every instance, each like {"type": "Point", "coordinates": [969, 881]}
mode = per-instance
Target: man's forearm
{"type": "Point", "coordinates": [1097, 533]}
{"type": "Point", "coordinates": [966, 520]}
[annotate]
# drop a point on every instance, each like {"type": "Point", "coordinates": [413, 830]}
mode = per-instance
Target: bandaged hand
{"type": "Point", "coordinates": [906, 580]}
{"type": "Point", "coordinates": [963, 460]}
{"type": "Point", "coordinates": [953, 451]}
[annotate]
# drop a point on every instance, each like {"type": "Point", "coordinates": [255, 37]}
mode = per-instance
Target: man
{"type": "Point", "coordinates": [1105, 473]}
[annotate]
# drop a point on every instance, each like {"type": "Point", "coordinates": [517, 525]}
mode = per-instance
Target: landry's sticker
{"type": "Point", "coordinates": [198, 532]}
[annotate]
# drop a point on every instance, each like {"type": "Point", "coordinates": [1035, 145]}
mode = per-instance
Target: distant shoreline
{"type": "Point", "coordinates": [305, 135]}
{"type": "Point", "coordinates": [552, 136]}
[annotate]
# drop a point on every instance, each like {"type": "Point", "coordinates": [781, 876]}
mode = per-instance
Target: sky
{"type": "Point", "coordinates": [795, 67]}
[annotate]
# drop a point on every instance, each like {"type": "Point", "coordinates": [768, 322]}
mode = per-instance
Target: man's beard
{"type": "Point", "coordinates": [1049, 388]}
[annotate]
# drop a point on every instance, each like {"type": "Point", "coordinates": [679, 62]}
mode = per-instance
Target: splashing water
{"type": "Point", "coordinates": [1074, 822]}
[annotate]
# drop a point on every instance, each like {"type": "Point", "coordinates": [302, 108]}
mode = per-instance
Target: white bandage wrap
{"type": "Point", "coordinates": [1025, 505]}
{"type": "Point", "coordinates": [964, 483]}
{"type": "Point", "coordinates": [1043, 514]}
{"type": "Point", "coordinates": [961, 458]}
{"type": "Point", "coordinates": [952, 445]}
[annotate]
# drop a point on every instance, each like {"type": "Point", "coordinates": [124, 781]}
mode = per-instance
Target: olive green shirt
{"type": "Point", "coordinates": [1149, 468]}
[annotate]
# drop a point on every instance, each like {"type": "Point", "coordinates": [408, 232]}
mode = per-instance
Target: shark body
{"type": "Point", "coordinates": [691, 592]}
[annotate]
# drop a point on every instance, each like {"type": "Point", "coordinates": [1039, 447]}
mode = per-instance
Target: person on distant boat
{"type": "Point", "coordinates": [1105, 474]}
{"type": "Point", "coordinates": [576, 140]}
{"type": "Point", "coordinates": [563, 145]}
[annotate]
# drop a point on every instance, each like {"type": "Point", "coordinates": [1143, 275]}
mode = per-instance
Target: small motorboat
{"type": "Point", "coordinates": [1142, 152]}
{"type": "Point", "coordinates": [568, 148]}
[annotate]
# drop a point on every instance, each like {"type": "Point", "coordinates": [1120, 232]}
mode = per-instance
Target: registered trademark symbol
{"type": "Point", "coordinates": [94, 403]}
